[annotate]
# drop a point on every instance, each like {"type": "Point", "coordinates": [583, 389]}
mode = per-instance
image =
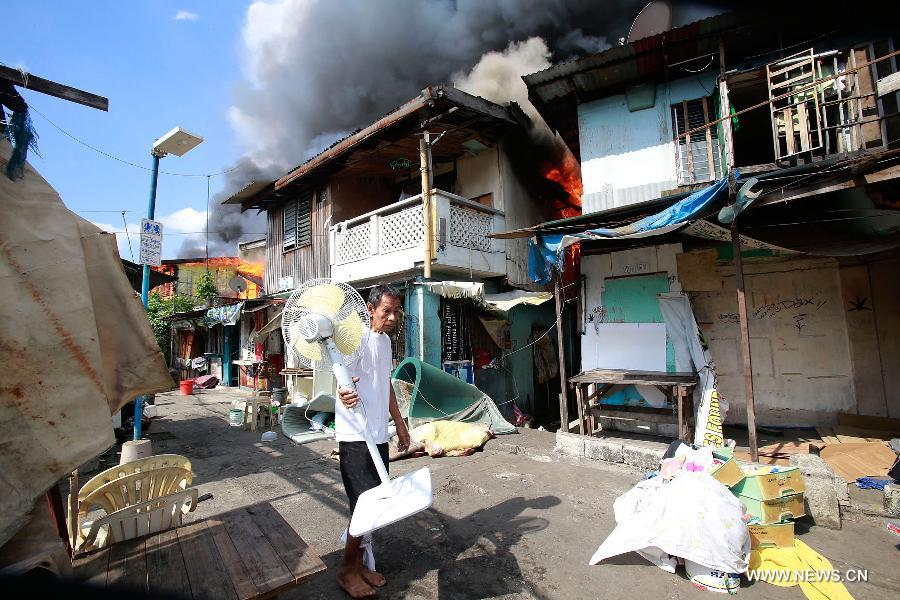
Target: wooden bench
{"type": "Point", "coordinates": [677, 387]}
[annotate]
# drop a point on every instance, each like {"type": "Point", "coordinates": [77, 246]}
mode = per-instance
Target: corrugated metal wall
{"type": "Point", "coordinates": [303, 263]}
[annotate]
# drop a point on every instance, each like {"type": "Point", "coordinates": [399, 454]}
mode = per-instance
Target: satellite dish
{"type": "Point", "coordinates": [655, 18]}
{"type": "Point", "coordinates": [238, 284]}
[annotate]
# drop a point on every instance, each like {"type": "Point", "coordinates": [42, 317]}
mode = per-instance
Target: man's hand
{"type": "Point", "coordinates": [402, 438]}
{"type": "Point", "coordinates": [349, 398]}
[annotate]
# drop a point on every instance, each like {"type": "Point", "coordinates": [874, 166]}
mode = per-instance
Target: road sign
{"type": "Point", "coordinates": [151, 242]}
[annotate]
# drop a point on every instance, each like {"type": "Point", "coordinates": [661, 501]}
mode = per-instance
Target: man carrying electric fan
{"type": "Point", "coordinates": [374, 396]}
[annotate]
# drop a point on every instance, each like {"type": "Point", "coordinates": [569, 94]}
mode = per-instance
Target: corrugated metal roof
{"type": "Point", "coordinates": [625, 63]}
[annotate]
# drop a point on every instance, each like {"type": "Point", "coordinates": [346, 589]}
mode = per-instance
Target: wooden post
{"type": "Point", "coordinates": [563, 396]}
{"type": "Point", "coordinates": [427, 222]}
{"type": "Point", "coordinates": [745, 339]}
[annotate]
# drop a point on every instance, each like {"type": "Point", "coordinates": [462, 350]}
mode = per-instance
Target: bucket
{"type": "Point", "coordinates": [187, 387]}
{"type": "Point", "coordinates": [236, 417]}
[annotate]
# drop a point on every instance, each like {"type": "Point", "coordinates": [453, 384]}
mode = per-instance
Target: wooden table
{"type": "Point", "coordinates": [249, 552]}
{"type": "Point", "coordinates": [678, 387]}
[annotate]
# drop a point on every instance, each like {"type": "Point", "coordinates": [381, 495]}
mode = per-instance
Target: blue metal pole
{"type": "Point", "coordinates": [145, 288]}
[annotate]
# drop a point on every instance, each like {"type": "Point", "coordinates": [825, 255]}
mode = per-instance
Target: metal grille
{"type": "Point", "coordinates": [470, 228]}
{"type": "Point", "coordinates": [456, 329]}
{"type": "Point", "coordinates": [400, 230]}
{"type": "Point", "coordinates": [353, 244]}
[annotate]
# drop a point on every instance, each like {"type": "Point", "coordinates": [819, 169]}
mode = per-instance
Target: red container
{"type": "Point", "coordinates": [187, 387]}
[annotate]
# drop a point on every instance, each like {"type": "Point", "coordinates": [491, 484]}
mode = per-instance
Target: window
{"type": "Point", "coordinates": [297, 225]}
{"type": "Point", "coordinates": [697, 154]}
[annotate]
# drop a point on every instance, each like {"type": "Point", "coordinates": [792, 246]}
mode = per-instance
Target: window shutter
{"type": "Point", "coordinates": [697, 153]}
{"type": "Point", "coordinates": [289, 226]}
{"type": "Point", "coordinates": [304, 219]}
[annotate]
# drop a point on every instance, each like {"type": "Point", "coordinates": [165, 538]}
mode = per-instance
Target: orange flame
{"type": "Point", "coordinates": [567, 173]}
{"type": "Point", "coordinates": [226, 267]}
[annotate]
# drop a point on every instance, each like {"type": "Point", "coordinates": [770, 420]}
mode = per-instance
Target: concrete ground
{"type": "Point", "coordinates": [513, 521]}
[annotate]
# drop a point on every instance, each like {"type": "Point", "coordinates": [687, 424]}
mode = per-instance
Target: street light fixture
{"type": "Point", "coordinates": [178, 142]}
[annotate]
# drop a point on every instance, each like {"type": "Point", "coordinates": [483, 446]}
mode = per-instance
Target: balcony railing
{"type": "Point", "coordinates": [391, 240]}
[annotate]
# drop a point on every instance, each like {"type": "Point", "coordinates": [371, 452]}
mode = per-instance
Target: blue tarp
{"type": "Point", "coordinates": [545, 252]}
{"type": "Point", "coordinates": [223, 315]}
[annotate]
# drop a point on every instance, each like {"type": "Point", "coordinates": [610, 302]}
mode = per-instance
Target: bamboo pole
{"type": "Point", "coordinates": [563, 396]}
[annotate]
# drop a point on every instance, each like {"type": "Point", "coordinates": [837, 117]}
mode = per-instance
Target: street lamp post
{"type": "Point", "coordinates": [178, 142]}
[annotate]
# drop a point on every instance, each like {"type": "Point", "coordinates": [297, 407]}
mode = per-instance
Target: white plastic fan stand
{"type": "Point", "coordinates": [393, 500]}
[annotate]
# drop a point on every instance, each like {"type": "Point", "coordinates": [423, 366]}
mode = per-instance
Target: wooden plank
{"type": "Point", "coordinates": [296, 554]}
{"type": "Point", "coordinates": [166, 573]}
{"type": "Point", "coordinates": [91, 568]}
{"type": "Point", "coordinates": [690, 154]}
{"type": "Point", "coordinates": [267, 571]}
{"type": "Point", "coordinates": [51, 88]}
{"type": "Point", "coordinates": [854, 435]}
{"type": "Point", "coordinates": [115, 572]}
{"type": "Point", "coordinates": [870, 422]}
{"type": "Point", "coordinates": [135, 564]}
{"type": "Point", "coordinates": [802, 121]}
{"type": "Point", "coordinates": [788, 115]}
{"type": "Point", "coordinates": [561, 348]}
{"type": "Point", "coordinates": [231, 558]}
{"type": "Point", "coordinates": [625, 377]}
{"type": "Point", "coordinates": [827, 435]}
{"type": "Point", "coordinates": [205, 568]}
{"type": "Point", "coordinates": [579, 400]}
{"type": "Point", "coordinates": [709, 144]}
{"type": "Point", "coordinates": [888, 84]}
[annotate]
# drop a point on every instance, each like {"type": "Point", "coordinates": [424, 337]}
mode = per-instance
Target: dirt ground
{"type": "Point", "coordinates": [513, 521]}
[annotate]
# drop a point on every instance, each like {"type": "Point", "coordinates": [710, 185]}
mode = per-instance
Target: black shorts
{"type": "Point", "coordinates": [357, 469]}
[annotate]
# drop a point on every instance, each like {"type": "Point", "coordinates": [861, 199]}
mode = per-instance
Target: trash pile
{"type": "Point", "coordinates": [719, 519]}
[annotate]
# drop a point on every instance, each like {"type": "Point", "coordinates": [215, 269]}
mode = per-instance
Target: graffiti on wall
{"type": "Point", "coordinates": [793, 306]}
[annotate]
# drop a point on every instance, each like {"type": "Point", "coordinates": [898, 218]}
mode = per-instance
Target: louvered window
{"type": "Point", "coordinates": [297, 226]}
{"type": "Point", "coordinates": [697, 154]}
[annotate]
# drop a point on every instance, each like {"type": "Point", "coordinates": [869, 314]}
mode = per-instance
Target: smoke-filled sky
{"type": "Point", "coordinates": [268, 85]}
{"type": "Point", "coordinates": [315, 70]}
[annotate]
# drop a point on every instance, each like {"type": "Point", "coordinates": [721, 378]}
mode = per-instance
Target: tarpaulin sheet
{"type": "Point", "coordinates": [76, 342]}
{"type": "Point", "coordinates": [509, 300]}
{"type": "Point", "coordinates": [223, 315]}
{"type": "Point", "coordinates": [545, 252]}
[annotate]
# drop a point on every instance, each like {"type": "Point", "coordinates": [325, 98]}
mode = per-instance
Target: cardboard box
{"type": "Point", "coordinates": [729, 473]}
{"type": "Point", "coordinates": [775, 510]}
{"type": "Point", "coordinates": [786, 482]}
{"type": "Point", "coordinates": [779, 535]}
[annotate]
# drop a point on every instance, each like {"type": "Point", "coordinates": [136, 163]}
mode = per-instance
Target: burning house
{"type": "Point", "coordinates": [355, 213]}
{"type": "Point", "coordinates": [794, 130]}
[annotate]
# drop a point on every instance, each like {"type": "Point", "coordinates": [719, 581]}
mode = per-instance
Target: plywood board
{"type": "Point", "coordinates": [852, 461]}
{"type": "Point", "coordinates": [854, 435]}
{"type": "Point", "coordinates": [633, 346]}
{"type": "Point", "coordinates": [870, 422]}
{"type": "Point", "coordinates": [827, 435]}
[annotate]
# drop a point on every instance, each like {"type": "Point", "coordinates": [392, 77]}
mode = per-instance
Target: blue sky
{"type": "Point", "coordinates": [158, 72]}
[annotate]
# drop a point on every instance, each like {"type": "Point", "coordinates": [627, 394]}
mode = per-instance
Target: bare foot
{"type": "Point", "coordinates": [354, 584]}
{"type": "Point", "coordinates": [374, 578]}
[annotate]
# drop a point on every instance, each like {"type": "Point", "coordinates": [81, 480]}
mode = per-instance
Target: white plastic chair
{"type": "Point", "coordinates": [140, 519]}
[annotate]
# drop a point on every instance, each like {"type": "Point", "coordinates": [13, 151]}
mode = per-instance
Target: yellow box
{"type": "Point", "coordinates": [778, 535]}
{"type": "Point", "coordinates": [768, 486]}
{"type": "Point", "coordinates": [775, 510]}
{"type": "Point", "coordinates": [729, 473]}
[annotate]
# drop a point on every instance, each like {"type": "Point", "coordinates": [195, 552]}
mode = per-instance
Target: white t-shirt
{"type": "Point", "coordinates": [373, 367]}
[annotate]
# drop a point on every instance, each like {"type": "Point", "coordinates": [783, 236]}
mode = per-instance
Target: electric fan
{"type": "Point", "coordinates": [326, 325]}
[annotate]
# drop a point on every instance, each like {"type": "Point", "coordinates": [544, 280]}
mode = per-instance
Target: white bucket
{"type": "Point", "coordinates": [712, 580]}
{"type": "Point", "coordinates": [236, 417]}
{"type": "Point", "coordinates": [134, 450]}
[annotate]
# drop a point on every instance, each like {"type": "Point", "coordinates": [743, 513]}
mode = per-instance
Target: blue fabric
{"type": "Point", "coordinates": [22, 138]}
{"type": "Point", "coordinates": [545, 252]}
{"type": "Point", "coordinates": [871, 483]}
{"type": "Point", "coordinates": [223, 315]}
